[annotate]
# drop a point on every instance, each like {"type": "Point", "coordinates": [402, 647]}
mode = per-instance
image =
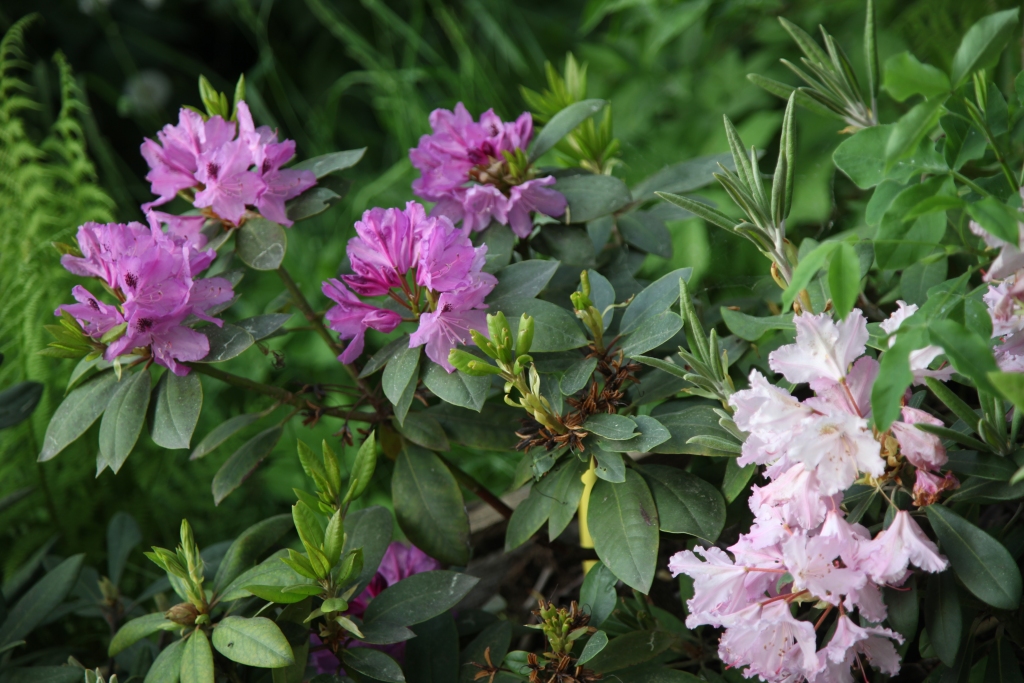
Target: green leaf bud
{"type": "Point", "coordinates": [525, 338]}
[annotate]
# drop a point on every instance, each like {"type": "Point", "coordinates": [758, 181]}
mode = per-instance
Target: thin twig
{"type": "Point", "coordinates": [477, 488]}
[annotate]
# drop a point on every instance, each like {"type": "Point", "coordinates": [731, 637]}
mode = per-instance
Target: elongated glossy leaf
{"type": "Point", "coordinates": [261, 244]}
{"type": "Point", "coordinates": [222, 433]}
{"type": "Point", "coordinates": [623, 520]}
{"type": "Point", "coordinates": [243, 462]}
{"type": "Point", "coordinates": [18, 402]}
{"type": "Point", "coordinates": [686, 503]}
{"type": "Point", "coordinates": [373, 663]}
{"type": "Point", "coordinates": [592, 196]}
{"type": "Point", "coordinates": [646, 232]}
{"type": "Point", "coordinates": [1003, 666]}
{"type": "Point", "coordinates": [686, 176]}
{"type": "Point", "coordinates": [614, 427]}
{"type": "Point", "coordinates": [555, 329]}
{"type": "Point", "coordinates": [369, 529]}
{"type": "Point", "coordinates": [167, 666]}
{"type": "Point", "coordinates": [37, 603]}
{"type": "Point", "coordinates": [197, 659]}
{"type": "Point", "coordinates": [905, 76]}
{"type": "Point", "coordinates": [312, 202]}
{"type": "Point", "coordinates": [45, 674]}
{"type": "Point", "coordinates": [429, 506]}
{"type": "Point", "coordinates": [597, 642]}
{"type": "Point", "coordinates": [419, 597]}
{"type": "Point", "coordinates": [123, 419]}
{"type": "Point", "coordinates": [635, 647]}
{"type": "Point", "coordinates": [253, 642]}
{"type": "Point", "coordinates": [433, 655]}
{"type": "Point", "coordinates": [577, 376]}
{"type": "Point", "coordinates": [982, 563]}
{"type": "Point", "coordinates": [700, 209]}
{"type": "Point", "coordinates": [903, 607]}
{"type": "Point", "coordinates": [912, 128]}
{"type": "Point", "coordinates": [262, 326]}
{"type": "Point", "coordinates": [982, 44]}
{"type": "Point", "coordinates": [653, 300]}
{"type": "Point", "coordinates": [77, 413]}
{"type": "Point", "coordinates": [424, 431]}
{"type": "Point", "coordinates": [523, 280]}
{"type": "Point", "coordinates": [136, 630]}
{"type": "Point", "coordinates": [271, 572]}
{"type": "Point", "coordinates": [844, 279]}
{"type": "Point", "coordinates": [248, 547]}
{"type": "Point", "coordinates": [179, 401]}
{"type": "Point", "coordinates": [123, 535]}
{"type": "Point", "coordinates": [652, 333]}
{"type": "Point", "coordinates": [994, 467]}
{"type": "Point", "coordinates": [652, 433]}
{"type": "Point", "coordinates": [492, 642]}
{"type": "Point", "coordinates": [226, 342]}
{"type": "Point", "coordinates": [401, 372]}
{"type": "Point", "coordinates": [610, 466]}
{"type": "Point", "coordinates": [996, 218]}
{"type": "Point", "coordinates": [527, 519]}
{"type": "Point", "coordinates": [736, 479]}
{"type": "Point", "coordinates": [752, 328]}
{"type": "Point", "coordinates": [457, 387]}
{"type": "Point", "coordinates": [563, 123]}
{"type": "Point", "coordinates": [330, 163]}
{"type": "Point", "coordinates": [564, 488]}
{"type": "Point", "coordinates": [967, 350]}
{"type": "Point", "coordinates": [942, 616]}
{"type": "Point", "coordinates": [597, 594]}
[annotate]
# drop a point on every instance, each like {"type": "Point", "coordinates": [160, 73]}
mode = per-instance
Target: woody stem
{"type": "Point", "coordinates": [477, 488]}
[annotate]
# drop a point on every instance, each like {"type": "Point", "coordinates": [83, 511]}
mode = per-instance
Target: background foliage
{"type": "Point", "coordinates": [338, 75]}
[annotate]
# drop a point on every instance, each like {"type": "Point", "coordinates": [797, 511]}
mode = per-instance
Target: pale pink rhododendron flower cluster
{"type": "Point", "coordinates": [229, 167]}
{"type": "Point", "coordinates": [801, 550]}
{"type": "Point", "coordinates": [477, 173]}
{"type": "Point", "coordinates": [426, 265]}
{"type": "Point", "coordinates": [153, 275]}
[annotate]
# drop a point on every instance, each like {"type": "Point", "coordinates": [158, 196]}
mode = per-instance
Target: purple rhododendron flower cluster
{"type": "Point", "coordinates": [801, 549]}
{"type": "Point", "coordinates": [400, 562]}
{"type": "Point", "coordinates": [392, 243]}
{"type": "Point", "coordinates": [466, 169]}
{"type": "Point", "coordinates": [153, 274]}
{"type": "Point", "coordinates": [228, 167]}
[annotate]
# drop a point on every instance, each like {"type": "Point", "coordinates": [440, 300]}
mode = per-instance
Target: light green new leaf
{"type": "Point", "coordinates": [197, 659]}
{"type": "Point", "coordinates": [254, 642]}
{"type": "Point", "coordinates": [137, 629]}
{"type": "Point", "coordinates": [905, 77]}
{"type": "Point", "coordinates": [982, 44]}
{"type": "Point", "coordinates": [844, 279]}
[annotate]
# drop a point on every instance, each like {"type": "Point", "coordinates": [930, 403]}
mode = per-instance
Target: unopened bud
{"type": "Point", "coordinates": [483, 343]}
{"type": "Point", "coordinates": [183, 613]}
{"type": "Point", "coordinates": [524, 340]}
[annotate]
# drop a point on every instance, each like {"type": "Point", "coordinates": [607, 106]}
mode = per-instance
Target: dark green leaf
{"type": "Point", "coordinates": [457, 387]}
{"type": "Point", "coordinates": [564, 488]}
{"type": "Point", "coordinates": [1003, 666]}
{"type": "Point", "coordinates": [401, 376]}
{"type": "Point", "coordinates": [37, 603]}
{"type": "Point", "coordinates": [655, 299]}
{"type": "Point", "coordinates": [592, 196]}
{"type": "Point", "coordinates": [912, 128]}
{"type": "Point", "coordinates": [652, 433]}
{"type": "Point", "coordinates": [429, 506]}
{"type": "Point", "coordinates": [527, 519]}
{"type": "Point", "coordinates": [419, 597]}
{"type": "Point", "coordinates": [752, 328]}
{"type": "Point", "coordinates": [942, 616]}
{"type": "Point", "coordinates": [982, 44]}
{"type": "Point", "coordinates": [969, 353]}
{"type": "Point", "coordinates": [806, 269]}
{"type": "Point", "coordinates": [45, 674]}
{"type": "Point", "coordinates": [372, 663]}
{"type": "Point", "coordinates": [597, 595]}
{"type": "Point", "coordinates": [254, 642]}
{"type": "Point", "coordinates": [137, 629]}
{"type": "Point", "coordinates": [313, 201]}
{"type": "Point", "coordinates": [917, 279]}
{"type": "Point", "coordinates": [18, 402]}
{"type": "Point", "coordinates": [844, 279]}
{"type": "Point", "coordinates": [496, 638]}
{"type": "Point", "coordinates": [222, 433]}
{"type": "Point", "coordinates": [700, 420]}
{"type": "Point", "coordinates": [646, 232]}
{"type": "Point", "coordinates": [248, 547]}
{"type": "Point", "coordinates": [635, 647]}
{"type": "Point", "coordinates": [263, 326]}
{"type": "Point", "coordinates": [425, 431]}
{"type": "Point", "coordinates": [122, 420]}
{"type": "Point", "coordinates": [77, 413]}
{"type": "Point", "coordinates": [226, 342]}
{"type": "Point", "coordinates": [982, 465]}
{"type": "Point", "coordinates": [597, 642]}
{"type": "Point", "coordinates": [652, 333]}
{"type": "Point", "coordinates": [563, 123]}
{"type": "Point", "coordinates": [623, 520]}
{"type": "Point", "coordinates": [578, 376]}
{"type": "Point", "coordinates": [981, 562]}
{"type": "Point", "coordinates": [433, 655]}
{"type": "Point", "coordinates": [330, 163]}
{"type": "Point", "coordinates": [499, 240]}
{"type": "Point", "coordinates": [736, 479]}
{"type": "Point", "coordinates": [686, 503]}
{"type": "Point", "coordinates": [386, 353]}
{"type": "Point", "coordinates": [369, 529]}
{"type": "Point", "coordinates": [179, 401]}
{"type": "Point", "coordinates": [905, 77]}
{"type": "Point", "coordinates": [555, 329]}
{"type": "Point", "coordinates": [167, 666]}
{"type": "Point", "coordinates": [610, 466]}
{"type": "Point", "coordinates": [894, 376]}
{"type": "Point", "coordinates": [901, 604]}
{"type": "Point", "coordinates": [261, 244]}
{"type": "Point", "coordinates": [996, 218]}
{"type": "Point", "coordinates": [197, 659]}
{"type": "Point", "coordinates": [614, 427]}
{"type": "Point", "coordinates": [700, 209]}
{"type": "Point", "coordinates": [243, 462]}
{"type": "Point", "coordinates": [123, 535]}
{"type": "Point", "coordinates": [1010, 385]}
{"type": "Point", "coordinates": [523, 280]}
{"type": "Point", "coordinates": [684, 177]}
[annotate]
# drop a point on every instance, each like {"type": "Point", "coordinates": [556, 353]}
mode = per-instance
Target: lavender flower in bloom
{"type": "Point", "coordinates": [800, 549]}
{"type": "Point", "coordinates": [152, 274]}
{"type": "Point", "coordinates": [446, 293]}
{"type": "Point", "coordinates": [466, 168]}
{"type": "Point", "coordinates": [229, 167]}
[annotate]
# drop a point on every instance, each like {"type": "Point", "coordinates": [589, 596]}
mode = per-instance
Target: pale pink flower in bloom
{"type": "Point", "coordinates": [776, 646]}
{"type": "Point", "coordinates": [849, 640]}
{"type": "Point", "coordinates": [810, 561]}
{"type": "Point", "coordinates": [823, 348]}
{"type": "Point", "coordinates": [794, 496]}
{"type": "Point", "coordinates": [457, 313]}
{"type": "Point", "coordinates": [837, 446]}
{"type": "Point", "coordinates": [899, 545]}
{"type": "Point", "coordinates": [923, 450]}
{"type": "Point", "coordinates": [720, 581]}
{"type": "Point", "coordinates": [853, 396]}
{"type": "Point", "coordinates": [773, 417]}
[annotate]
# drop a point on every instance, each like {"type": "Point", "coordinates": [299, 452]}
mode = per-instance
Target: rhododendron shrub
{"type": "Point", "coordinates": [818, 482]}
